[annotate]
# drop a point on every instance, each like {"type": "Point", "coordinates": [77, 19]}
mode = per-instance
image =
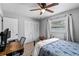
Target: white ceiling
{"type": "Point", "coordinates": [23, 9]}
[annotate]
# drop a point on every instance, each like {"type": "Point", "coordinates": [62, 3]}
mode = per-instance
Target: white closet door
{"type": "Point", "coordinates": [12, 24]}
{"type": "Point", "coordinates": [31, 30]}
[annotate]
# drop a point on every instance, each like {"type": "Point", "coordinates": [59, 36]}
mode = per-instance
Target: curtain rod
{"type": "Point", "coordinates": [58, 16]}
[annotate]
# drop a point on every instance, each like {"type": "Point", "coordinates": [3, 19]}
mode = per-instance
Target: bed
{"type": "Point", "coordinates": [56, 47]}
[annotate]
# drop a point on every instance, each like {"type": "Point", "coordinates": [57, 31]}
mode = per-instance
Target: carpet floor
{"type": "Point", "coordinates": [28, 49]}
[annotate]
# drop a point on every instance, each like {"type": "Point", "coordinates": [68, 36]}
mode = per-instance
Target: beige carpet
{"type": "Point", "coordinates": [28, 49]}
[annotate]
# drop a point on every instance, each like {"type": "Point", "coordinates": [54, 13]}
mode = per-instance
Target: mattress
{"type": "Point", "coordinates": [40, 44]}
{"type": "Point", "coordinates": [60, 48]}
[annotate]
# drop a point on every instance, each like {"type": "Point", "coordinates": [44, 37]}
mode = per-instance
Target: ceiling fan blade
{"type": "Point", "coordinates": [35, 9]}
{"type": "Point", "coordinates": [53, 4]}
{"type": "Point", "coordinates": [39, 4]}
{"type": "Point", "coordinates": [49, 10]}
{"type": "Point", "coordinates": [42, 5]}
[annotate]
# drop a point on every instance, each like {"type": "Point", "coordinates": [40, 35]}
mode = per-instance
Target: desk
{"type": "Point", "coordinates": [12, 47]}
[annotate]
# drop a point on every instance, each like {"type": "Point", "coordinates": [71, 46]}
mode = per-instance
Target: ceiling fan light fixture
{"type": "Point", "coordinates": [44, 7]}
{"type": "Point", "coordinates": [43, 10]}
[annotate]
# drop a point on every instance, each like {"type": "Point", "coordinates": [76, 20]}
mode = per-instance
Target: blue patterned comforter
{"type": "Point", "coordinates": [60, 48]}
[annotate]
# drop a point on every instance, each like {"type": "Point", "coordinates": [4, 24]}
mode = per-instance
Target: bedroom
{"type": "Point", "coordinates": [40, 29]}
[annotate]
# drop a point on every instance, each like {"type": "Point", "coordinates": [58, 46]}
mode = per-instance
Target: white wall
{"type": "Point", "coordinates": [75, 14]}
{"type": "Point", "coordinates": [0, 28]}
{"type": "Point", "coordinates": [1, 14]}
{"type": "Point", "coordinates": [43, 28]}
{"type": "Point", "coordinates": [12, 24]}
{"type": "Point", "coordinates": [0, 24]}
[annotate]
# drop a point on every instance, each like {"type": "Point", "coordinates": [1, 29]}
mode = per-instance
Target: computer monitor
{"type": "Point", "coordinates": [4, 36]}
{"type": "Point", "coordinates": [7, 33]}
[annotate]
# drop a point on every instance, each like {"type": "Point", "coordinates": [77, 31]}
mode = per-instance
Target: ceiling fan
{"type": "Point", "coordinates": [44, 7]}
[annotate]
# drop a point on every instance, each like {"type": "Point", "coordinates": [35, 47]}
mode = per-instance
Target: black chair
{"type": "Point", "coordinates": [22, 40]}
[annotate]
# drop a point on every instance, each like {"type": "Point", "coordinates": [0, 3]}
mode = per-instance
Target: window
{"type": "Point", "coordinates": [57, 28]}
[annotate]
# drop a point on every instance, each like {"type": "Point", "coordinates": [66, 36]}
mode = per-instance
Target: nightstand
{"type": "Point", "coordinates": [41, 38]}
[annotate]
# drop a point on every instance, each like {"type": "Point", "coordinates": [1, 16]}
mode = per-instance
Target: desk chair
{"type": "Point", "coordinates": [22, 40]}
{"type": "Point", "coordinates": [18, 53]}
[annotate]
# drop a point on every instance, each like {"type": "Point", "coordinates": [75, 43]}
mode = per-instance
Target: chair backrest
{"type": "Point", "coordinates": [22, 40]}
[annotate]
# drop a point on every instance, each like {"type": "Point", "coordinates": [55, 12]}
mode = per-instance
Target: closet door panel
{"type": "Point", "coordinates": [31, 30]}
